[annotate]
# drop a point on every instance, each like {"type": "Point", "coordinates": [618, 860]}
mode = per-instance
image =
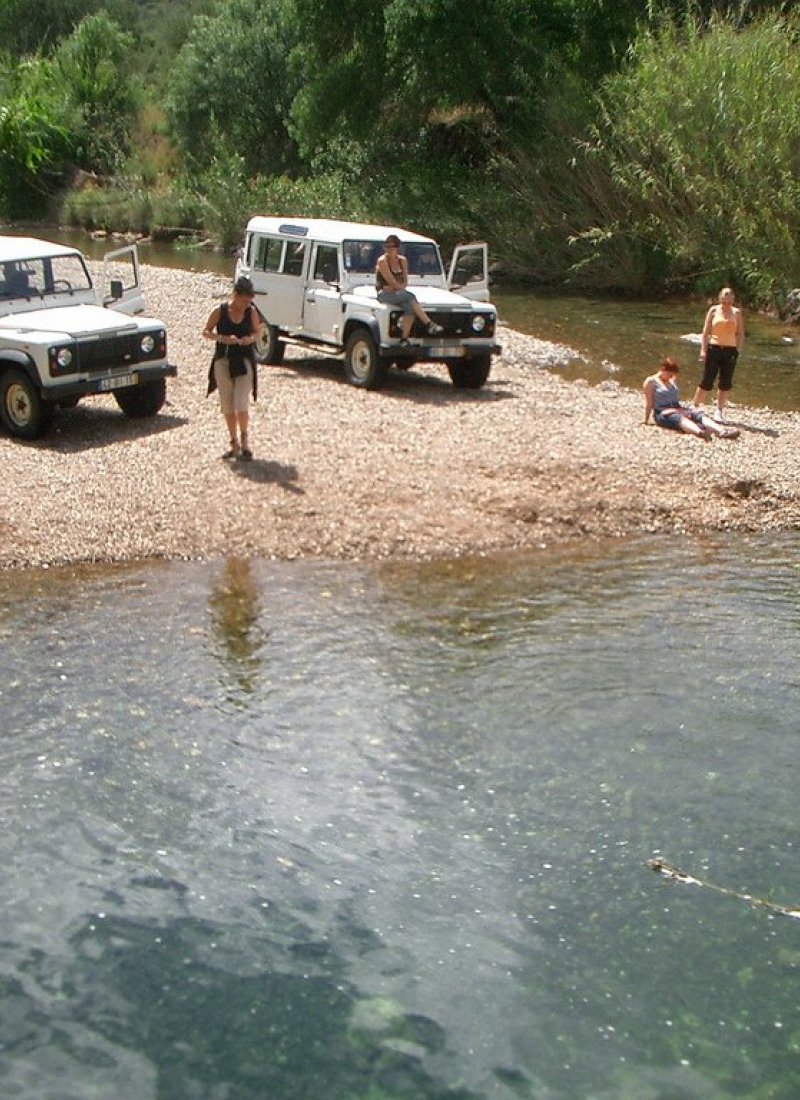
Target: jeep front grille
{"type": "Point", "coordinates": [111, 351]}
{"type": "Point", "coordinates": [459, 323]}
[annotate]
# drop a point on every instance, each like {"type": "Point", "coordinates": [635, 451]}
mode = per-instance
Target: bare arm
{"type": "Point", "coordinates": [706, 332]}
{"type": "Point", "coordinates": [209, 332]}
{"type": "Point", "coordinates": [648, 400]}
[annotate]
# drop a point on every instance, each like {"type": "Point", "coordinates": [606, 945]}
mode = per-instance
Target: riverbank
{"type": "Point", "coordinates": [418, 470]}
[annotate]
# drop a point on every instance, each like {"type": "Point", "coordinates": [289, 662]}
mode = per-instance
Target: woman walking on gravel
{"type": "Point", "coordinates": [233, 326]}
{"type": "Point", "coordinates": [721, 342]}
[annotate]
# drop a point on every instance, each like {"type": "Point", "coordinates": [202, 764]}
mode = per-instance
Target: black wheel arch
{"type": "Point", "coordinates": [369, 323]}
{"type": "Point", "coordinates": [13, 358]}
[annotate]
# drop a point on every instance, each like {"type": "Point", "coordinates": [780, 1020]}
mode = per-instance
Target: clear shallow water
{"type": "Point", "coordinates": [365, 833]}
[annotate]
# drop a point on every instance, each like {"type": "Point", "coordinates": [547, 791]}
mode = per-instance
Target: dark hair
{"type": "Point", "coordinates": [669, 364]}
{"type": "Point", "coordinates": [393, 239]}
{"type": "Point", "coordinates": [243, 285]}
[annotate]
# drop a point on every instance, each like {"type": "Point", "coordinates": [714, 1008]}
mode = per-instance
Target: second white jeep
{"type": "Point", "coordinates": [314, 282]}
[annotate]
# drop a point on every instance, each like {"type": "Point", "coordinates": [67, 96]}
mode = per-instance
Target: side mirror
{"type": "Point", "coordinates": [115, 287]}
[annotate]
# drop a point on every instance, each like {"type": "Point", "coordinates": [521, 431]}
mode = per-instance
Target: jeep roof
{"type": "Point", "coordinates": [329, 230]}
{"type": "Point", "coordinates": [28, 248]}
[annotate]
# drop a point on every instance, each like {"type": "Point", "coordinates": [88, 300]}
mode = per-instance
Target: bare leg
{"type": "Point", "coordinates": [700, 396]}
{"type": "Point", "coordinates": [688, 425]}
{"type": "Point", "coordinates": [243, 419]}
{"type": "Point", "coordinates": [722, 398]}
{"type": "Point", "coordinates": [230, 420]}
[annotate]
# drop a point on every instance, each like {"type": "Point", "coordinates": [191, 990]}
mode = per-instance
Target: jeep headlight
{"type": "Point", "coordinates": [478, 322]}
{"type": "Point", "coordinates": [64, 358]}
{"type": "Point", "coordinates": [147, 343]}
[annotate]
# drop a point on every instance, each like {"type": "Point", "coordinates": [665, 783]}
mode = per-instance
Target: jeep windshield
{"type": "Point", "coordinates": [42, 275]}
{"type": "Point", "coordinates": [361, 257]}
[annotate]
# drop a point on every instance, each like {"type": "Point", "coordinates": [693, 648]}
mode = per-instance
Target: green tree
{"type": "Point", "coordinates": [231, 80]}
{"type": "Point", "coordinates": [91, 70]}
{"type": "Point", "coordinates": [26, 28]}
{"type": "Point", "coordinates": [35, 139]}
{"type": "Point", "coordinates": [701, 136]}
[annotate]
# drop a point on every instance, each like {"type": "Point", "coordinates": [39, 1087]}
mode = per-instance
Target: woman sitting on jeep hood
{"type": "Point", "coordinates": [391, 278]}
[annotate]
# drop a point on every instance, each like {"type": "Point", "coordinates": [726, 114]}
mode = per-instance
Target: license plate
{"type": "Point", "coordinates": [118, 382]}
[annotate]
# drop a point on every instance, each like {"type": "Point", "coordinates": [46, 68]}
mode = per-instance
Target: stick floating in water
{"type": "Point", "coordinates": [675, 874]}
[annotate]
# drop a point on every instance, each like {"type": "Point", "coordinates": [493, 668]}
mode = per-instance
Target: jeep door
{"type": "Point", "coordinates": [121, 287]}
{"type": "Point", "coordinates": [469, 271]}
{"type": "Point", "coordinates": [277, 268]}
{"type": "Point", "coordinates": [322, 305]}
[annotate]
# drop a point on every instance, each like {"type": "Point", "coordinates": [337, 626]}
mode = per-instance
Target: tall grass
{"type": "Point", "coordinates": [688, 177]}
{"type": "Point", "coordinates": [701, 135]}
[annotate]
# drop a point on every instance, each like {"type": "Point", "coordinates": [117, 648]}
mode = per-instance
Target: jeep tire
{"type": "Point", "coordinates": [143, 400]}
{"type": "Point", "coordinates": [23, 412]}
{"type": "Point", "coordinates": [363, 366]}
{"type": "Point", "coordinates": [269, 349]}
{"type": "Point", "coordinates": [470, 374]}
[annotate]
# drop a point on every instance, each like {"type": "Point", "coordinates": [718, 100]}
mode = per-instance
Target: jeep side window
{"type": "Point", "coordinates": [326, 264]}
{"type": "Point", "coordinates": [293, 262]}
{"type": "Point", "coordinates": [267, 254]}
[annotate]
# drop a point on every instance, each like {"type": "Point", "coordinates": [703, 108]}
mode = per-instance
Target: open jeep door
{"type": "Point", "coordinates": [121, 288]}
{"type": "Point", "coordinates": [469, 271]}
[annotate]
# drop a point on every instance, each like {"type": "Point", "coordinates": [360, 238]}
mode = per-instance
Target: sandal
{"type": "Point", "coordinates": [434, 329]}
{"type": "Point", "coordinates": [233, 451]}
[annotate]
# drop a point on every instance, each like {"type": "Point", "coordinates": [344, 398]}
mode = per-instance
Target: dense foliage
{"type": "Point", "coordinates": [624, 145]}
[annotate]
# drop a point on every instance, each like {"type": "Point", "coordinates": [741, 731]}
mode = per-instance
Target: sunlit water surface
{"type": "Point", "coordinates": [298, 831]}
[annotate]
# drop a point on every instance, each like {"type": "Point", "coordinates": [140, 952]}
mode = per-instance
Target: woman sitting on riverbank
{"type": "Point", "coordinates": [662, 399]}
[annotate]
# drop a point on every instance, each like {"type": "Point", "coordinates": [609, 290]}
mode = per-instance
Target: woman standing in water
{"type": "Point", "coordinates": [722, 340]}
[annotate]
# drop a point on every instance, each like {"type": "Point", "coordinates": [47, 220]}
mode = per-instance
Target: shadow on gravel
{"type": "Point", "coordinates": [83, 429]}
{"type": "Point", "coordinates": [773, 433]}
{"type": "Point", "coordinates": [263, 472]}
{"type": "Point", "coordinates": [410, 385]}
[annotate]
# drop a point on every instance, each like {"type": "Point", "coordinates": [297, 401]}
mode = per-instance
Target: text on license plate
{"type": "Point", "coordinates": [118, 382]}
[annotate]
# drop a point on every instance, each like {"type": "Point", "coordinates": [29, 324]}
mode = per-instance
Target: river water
{"type": "Point", "coordinates": [295, 830]}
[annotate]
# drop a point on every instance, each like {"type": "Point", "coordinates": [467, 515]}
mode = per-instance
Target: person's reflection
{"type": "Point", "coordinates": [235, 607]}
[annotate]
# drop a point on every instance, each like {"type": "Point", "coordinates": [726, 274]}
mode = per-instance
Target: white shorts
{"type": "Point", "coordinates": [234, 393]}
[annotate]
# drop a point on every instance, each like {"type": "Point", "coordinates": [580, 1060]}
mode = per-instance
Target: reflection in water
{"type": "Point", "coordinates": [235, 612]}
{"type": "Point", "coordinates": [414, 867]}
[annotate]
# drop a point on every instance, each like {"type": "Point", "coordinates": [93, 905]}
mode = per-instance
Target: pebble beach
{"type": "Point", "coordinates": [418, 470]}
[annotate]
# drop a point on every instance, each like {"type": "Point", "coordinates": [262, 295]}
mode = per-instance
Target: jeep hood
{"type": "Point", "coordinates": [431, 297]}
{"type": "Point", "coordinates": [75, 321]}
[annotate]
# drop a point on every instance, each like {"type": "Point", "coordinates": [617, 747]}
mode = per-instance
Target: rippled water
{"type": "Point", "coordinates": [303, 831]}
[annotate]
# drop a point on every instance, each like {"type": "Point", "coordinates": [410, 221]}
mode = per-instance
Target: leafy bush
{"type": "Point", "coordinates": [701, 136]}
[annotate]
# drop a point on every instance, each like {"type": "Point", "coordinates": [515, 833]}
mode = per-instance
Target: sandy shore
{"type": "Point", "coordinates": [418, 470]}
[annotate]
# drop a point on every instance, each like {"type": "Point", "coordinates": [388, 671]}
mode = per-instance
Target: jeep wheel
{"type": "Point", "coordinates": [470, 374]}
{"type": "Point", "coordinates": [22, 410]}
{"type": "Point", "coordinates": [269, 349]}
{"type": "Point", "coordinates": [362, 365]}
{"type": "Point", "coordinates": [142, 400]}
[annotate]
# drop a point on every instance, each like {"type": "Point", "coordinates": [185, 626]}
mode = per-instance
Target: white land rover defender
{"type": "Point", "coordinates": [59, 342]}
{"type": "Point", "coordinates": [314, 282]}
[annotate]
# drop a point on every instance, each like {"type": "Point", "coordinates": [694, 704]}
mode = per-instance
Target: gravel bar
{"type": "Point", "coordinates": [418, 470]}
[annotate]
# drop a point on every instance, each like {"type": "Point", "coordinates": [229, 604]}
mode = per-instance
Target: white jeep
{"type": "Point", "coordinates": [60, 342]}
{"type": "Point", "coordinates": [314, 282]}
